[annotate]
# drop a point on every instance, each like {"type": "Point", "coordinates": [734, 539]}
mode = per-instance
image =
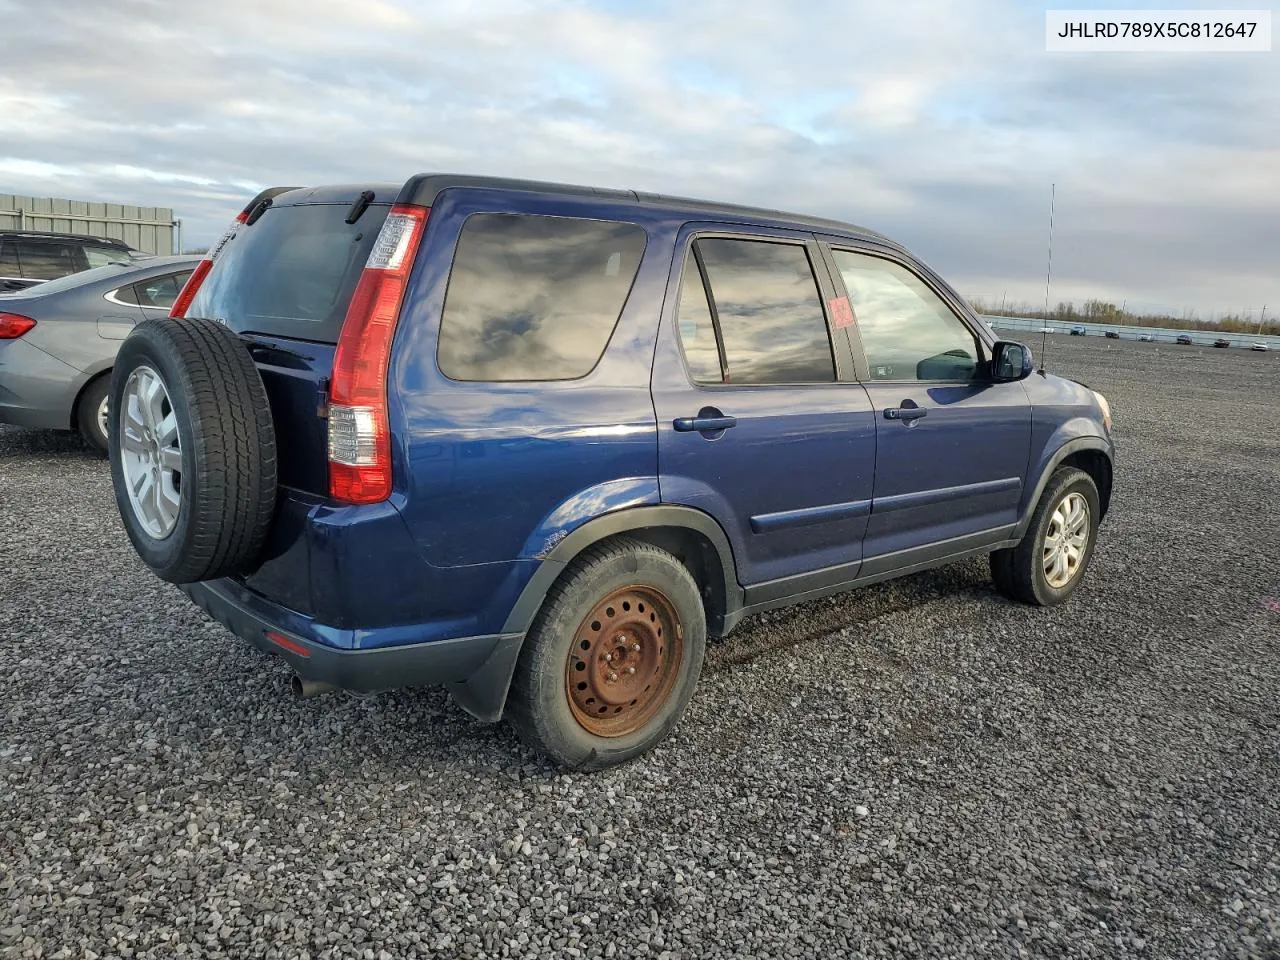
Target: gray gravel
{"type": "Point", "coordinates": [916, 769]}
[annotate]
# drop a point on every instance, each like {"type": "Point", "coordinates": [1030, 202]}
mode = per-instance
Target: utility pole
{"type": "Point", "coordinates": [1262, 319]}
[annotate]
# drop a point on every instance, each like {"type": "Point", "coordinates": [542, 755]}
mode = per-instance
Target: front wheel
{"type": "Point", "coordinates": [1046, 567]}
{"type": "Point", "coordinates": [612, 659]}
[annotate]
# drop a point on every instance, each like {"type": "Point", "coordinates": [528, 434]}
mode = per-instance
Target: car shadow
{"type": "Point", "coordinates": [28, 442]}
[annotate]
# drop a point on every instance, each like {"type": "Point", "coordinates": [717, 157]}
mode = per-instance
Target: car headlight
{"type": "Point", "coordinates": [1106, 409]}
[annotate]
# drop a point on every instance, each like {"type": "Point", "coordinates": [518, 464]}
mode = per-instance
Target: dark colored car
{"type": "Point", "coordinates": [1222, 342]}
{"type": "Point", "coordinates": [59, 339]}
{"type": "Point", "coordinates": [1113, 335]}
{"type": "Point", "coordinates": [1184, 339]}
{"type": "Point", "coordinates": [30, 257]}
{"type": "Point", "coordinates": [537, 442]}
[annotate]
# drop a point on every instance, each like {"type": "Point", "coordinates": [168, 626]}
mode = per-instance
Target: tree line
{"type": "Point", "coordinates": [1104, 312]}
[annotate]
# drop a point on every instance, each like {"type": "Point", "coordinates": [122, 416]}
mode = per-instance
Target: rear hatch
{"type": "Point", "coordinates": [283, 281]}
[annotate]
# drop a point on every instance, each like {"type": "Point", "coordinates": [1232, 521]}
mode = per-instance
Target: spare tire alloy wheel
{"type": "Point", "coordinates": [192, 449]}
{"type": "Point", "coordinates": [151, 452]}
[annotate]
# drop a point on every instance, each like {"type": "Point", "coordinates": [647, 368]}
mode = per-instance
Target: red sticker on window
{"type": "Point", "coordinates": [841, 312]}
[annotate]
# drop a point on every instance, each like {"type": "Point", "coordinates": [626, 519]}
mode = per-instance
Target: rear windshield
{"type": "Point", "coordinates": [292, 273]}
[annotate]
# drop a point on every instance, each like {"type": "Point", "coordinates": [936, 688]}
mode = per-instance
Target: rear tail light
{"type": "Point", "coordinates": [192, 286]}
{"type": "Point", "coordinates": [359, 428]}
{"type": "Point", "coordinates": [14, 325]}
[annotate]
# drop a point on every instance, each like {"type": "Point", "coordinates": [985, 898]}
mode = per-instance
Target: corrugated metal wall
{"type": "Point", "coordinates": [149, 229]}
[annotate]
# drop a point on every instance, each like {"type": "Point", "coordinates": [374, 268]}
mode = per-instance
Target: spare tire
{"type": "Point", "coordinates": [192, 448]}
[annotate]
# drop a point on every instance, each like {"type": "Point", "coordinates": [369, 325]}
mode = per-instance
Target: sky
{"type": "Point", "coordinates": [940, 123]}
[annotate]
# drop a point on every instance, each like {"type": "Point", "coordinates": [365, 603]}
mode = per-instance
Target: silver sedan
{"type": "Point", "coordinates": [58, 340]}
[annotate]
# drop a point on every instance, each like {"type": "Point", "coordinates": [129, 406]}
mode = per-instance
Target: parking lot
{"type": "Point", "coordinates": [916, 769]}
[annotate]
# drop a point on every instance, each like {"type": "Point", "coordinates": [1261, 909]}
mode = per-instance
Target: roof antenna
{"type": "Point", "coordinates": [1044, 329]}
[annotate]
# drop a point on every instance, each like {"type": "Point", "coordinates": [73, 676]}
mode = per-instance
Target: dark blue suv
{"type": "Point", "coordinates": [537, 442]}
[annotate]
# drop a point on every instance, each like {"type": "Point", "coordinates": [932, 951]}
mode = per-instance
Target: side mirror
{"type": "Point", "coordinates": [1010, 361]}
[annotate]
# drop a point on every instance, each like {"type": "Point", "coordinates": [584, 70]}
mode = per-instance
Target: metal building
{"type": "Point", "coordinates": [148, 229]}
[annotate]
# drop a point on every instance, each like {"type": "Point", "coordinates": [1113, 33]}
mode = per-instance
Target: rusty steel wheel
{"type": "Point", "coordinates": [623, 661]}
{"type": "Point", "coordinates": [612, 659]}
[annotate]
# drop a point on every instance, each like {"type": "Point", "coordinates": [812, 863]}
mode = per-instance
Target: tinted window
{"type": "Point", "coordinates": [292, 273]}
{"type": "Point", "coordinates": [535, 298]}
{"type": "Point", "coordinates": [126, 294]}
{"type": "Point", "coordinates": [48, 260]}
{"type": "Point", "coordinates": [8, 259]}
{"type": "Point", "coordinates": [101, 256]}
{"type": "Point", "coordinates": [697, 332]}
{"type": "Point", "coordinates": [769, 311]}
{"type": "Point", "coordinates": [159, 291]}
{"type": "Point", "coordinates": [907, 331]}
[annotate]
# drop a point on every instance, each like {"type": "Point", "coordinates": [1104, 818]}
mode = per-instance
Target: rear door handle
{"type": "Point", "coordinates": [701, 424]}
{"type": "Point", "coordinates": [905, 413]}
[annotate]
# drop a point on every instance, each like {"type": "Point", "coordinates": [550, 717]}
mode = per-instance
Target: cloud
{"type": "Point", "coordinates": [939, 126]}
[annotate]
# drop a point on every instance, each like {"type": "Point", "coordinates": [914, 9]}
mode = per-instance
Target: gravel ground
{"type": "Point", "coordinates": [915, 769]}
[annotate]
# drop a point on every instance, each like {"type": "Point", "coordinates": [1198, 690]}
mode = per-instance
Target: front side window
{"type": "Point", "coordinates": [767, 311]}
{"type": "Point", "coordinates": [908, 333]}
{"type": "Point", "coordinates": [534, 297]}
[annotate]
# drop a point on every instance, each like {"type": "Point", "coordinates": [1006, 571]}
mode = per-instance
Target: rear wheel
{"type": "Point", "coordinates": [91, 413]}
{"type": "Point", "coordinates": [612, 659]}
{"type": "Point", "coordinates": [192, 449]}
{"type": "Point", "coordinates": [1046, 567]}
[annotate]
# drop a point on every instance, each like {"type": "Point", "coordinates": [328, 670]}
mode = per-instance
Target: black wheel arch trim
{"type": "Point", "coordinates": [613, 524]}
{"type": "Point", "coordinates": [484, 693]}
{"type": "Point", "coordinates": [1075, 445]}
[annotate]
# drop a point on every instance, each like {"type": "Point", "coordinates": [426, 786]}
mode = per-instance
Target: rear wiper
{"type": "Point", "coordinates": [267, 345]}
{"type": "Point", "coordinates": [360, 206]}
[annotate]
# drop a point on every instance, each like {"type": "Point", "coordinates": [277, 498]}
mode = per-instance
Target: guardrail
{"type": "Point", "coordinates": [1130, 332]}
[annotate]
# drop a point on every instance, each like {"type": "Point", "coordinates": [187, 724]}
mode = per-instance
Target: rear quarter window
{"type": "Point", "coordinates": [159, 292]}
{"type": "Point", "coordinates": [535, 297]}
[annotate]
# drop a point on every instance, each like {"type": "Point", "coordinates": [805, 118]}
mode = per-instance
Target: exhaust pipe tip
{"type": "Point", "coordinates": [306, 689]}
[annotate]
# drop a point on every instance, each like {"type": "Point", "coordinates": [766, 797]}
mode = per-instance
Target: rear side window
{"type": "Point", "coordinates": [8, 259]}
{"type": "Point", "coordinates": [766, 308]}
{"type": "Point", "coordinates": [48, 260]}
{"type": "Point", "coordinates": [158, 292]}
{"type": "Point", "coordinates": [292, 273]}
{"type": "Point", "coordinates": [535, 298]}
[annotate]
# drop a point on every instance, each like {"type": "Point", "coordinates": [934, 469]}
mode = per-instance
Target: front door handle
{"type": "Point", "coordinates": [905, 413]}
{"type": "Point", "coordinates": [703, 424]}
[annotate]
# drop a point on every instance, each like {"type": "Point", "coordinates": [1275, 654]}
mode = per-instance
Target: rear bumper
{"type": "Point", "coordinates": [464, 664]}
{"type": "Point", "coordinates": [36, 389]}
